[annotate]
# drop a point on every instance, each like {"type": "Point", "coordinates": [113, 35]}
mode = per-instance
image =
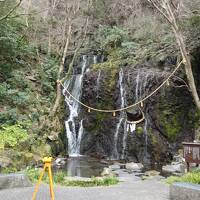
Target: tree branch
{"type": "Point", "coordinates": [11, 11]}
{"type": "Point", "coordinates": [28, 14]}
{"type": "Point", "coordinates": [160, 11]}
{"type": "Point", "coordinates": [76, 51]}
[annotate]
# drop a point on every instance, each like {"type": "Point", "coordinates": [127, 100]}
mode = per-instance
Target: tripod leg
{"type": "Point", "coordinates": [51, 182]}
{"type": "Point", "coordinates": [38, 183]}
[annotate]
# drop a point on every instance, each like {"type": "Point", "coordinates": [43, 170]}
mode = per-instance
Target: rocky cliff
{"type": "Point", "coordinates": [170, 115]}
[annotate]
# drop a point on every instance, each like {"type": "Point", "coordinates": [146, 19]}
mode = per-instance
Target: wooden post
{"type": "Point", "coordinates": [47, 165]}
{"type": "Point", "coordinates": [188, 166]}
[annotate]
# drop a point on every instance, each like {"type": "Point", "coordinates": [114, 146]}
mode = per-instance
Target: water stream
{"type": "Point", "coordinates": [121, 123]}
{"type": "Point", "coordinates": [74, 134]}
{"type": "Point", "coordinates": [98, 83]}
{"type": "Point", "coordinates": [140, 91]}
{"type": "Point", "coordinates": [74, 124]}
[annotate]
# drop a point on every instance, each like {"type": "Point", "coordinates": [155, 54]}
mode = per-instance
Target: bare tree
{"type": "Point", "coordinates": [51, 6]}
{"type": "Point", "coordinates": [170, 9]}
{"type": "Point", "coordinates": [71, 14]}
{"type": "Point", "coordinates": [28, 11]}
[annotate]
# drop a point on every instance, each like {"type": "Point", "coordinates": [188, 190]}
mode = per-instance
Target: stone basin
{"type": "Point", "coordinates": [184, 191]}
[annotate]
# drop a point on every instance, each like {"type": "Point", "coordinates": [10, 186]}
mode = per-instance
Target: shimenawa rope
{"type": "Point", "coordinates": [166, 81]}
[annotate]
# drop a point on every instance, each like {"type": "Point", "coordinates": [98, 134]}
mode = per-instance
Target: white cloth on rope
{"type": "Point", "coordinates": [131, 127]}
{"type": "Point", "coordinates": [127, 127]}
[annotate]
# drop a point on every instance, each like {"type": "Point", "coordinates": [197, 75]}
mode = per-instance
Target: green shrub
{"type": "Point", "coordinates": [11, 136]}
{"type": "Point", "coordinates": [59, 177]}
{"type": "Point", "coordinates": [190, 177]}
{"type": "Point", "coordinates": [33, 174]}
{"type": "Point", "coordinates": [111, 37]}
{"type": "Point", "coordinates": [8, 170]}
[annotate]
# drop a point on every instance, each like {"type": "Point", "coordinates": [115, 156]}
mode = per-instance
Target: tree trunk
{"type": "Point", "coordinates": [188, 66]}
{"type": "Point", "coordinates": [167, 11]}
{"type": "Point", "coordinates": [61, 69]}
{"type": "Point", "coordinates": [49, 41]}
{"type": "Point", "coordinates": [27, 12]}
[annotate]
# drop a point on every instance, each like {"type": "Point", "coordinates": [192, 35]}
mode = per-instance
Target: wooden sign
{"type": "Point", "coordinates": [191, 153]}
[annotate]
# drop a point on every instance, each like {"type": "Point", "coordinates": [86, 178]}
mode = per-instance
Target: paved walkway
{"type": "Point", "coordinates": [129, 189]}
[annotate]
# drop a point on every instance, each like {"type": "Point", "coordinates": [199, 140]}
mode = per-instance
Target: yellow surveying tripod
{"type": "Point", "coordinates": [47, 165]}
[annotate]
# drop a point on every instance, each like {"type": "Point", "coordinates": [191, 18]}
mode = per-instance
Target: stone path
{"type": "Point", "coordinates": [129, 188]}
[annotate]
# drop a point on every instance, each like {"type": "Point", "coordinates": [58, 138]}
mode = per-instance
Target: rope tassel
{"type": "Point", "coordinates": [168, 83]}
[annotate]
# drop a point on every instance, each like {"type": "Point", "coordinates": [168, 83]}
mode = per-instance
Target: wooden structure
{"type": "Point", "coordinates": [191, 153]}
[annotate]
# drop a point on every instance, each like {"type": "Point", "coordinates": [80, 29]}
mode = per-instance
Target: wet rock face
{"type": "Point", "coordinates": [99, 127]}
{"type": "Point", "coordinates": [168, 114]}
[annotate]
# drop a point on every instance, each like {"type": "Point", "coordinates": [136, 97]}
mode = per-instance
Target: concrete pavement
{"type": "Point", "coordinates": [129, 189]}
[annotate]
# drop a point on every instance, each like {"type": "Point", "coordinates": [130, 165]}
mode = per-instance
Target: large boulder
{"type": "Point", "coordinates": [60, 161]}
{"type": "Point", "coordinates": [107, 172]}
{"type": "Point", "coordinates": [174, 168]}
{"type": "Point", "coordinates": [134, 166]}
{"type": "Point", "coordinates": [14, 181]}
{"type": "Point", "coordinates": [152, 173]}
{"type": "Point", "coordinates": [5, 162]}
{"type": "Point", "coordinates": [114, 167]}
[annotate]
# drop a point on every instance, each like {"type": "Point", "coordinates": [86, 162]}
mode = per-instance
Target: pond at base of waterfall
{"type": "Point", "coordinates": [83, 167]}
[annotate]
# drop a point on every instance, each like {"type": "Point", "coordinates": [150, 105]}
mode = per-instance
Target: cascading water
{"type": "Point", "coordinates": [137, 86]}
{"type": "Point", "coordinates": [141, 90]}
{"type": "Point", "coordinates": [98, 83]}
{"type": "Point", "coordinates": [95, 59]}
{"type": "Point", "coordinates": [124, 143]}
{"type": "Point", "coordinates": [146, 137]}
{"type": "Point", "coordinates": [115, 154]}
{"type": "Point", "coordinates": [141, 83]}
{"type": "Point", "coordinates": [74, 136]}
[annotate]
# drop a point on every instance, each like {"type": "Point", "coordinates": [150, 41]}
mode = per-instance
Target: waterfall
{"type": "Point", "coordinates": [115, 154]}
{"type": "Point", "coordinates": [142, 79]}
{"type": "Point", "coordinates": [98, 83]}
{"type": "Point", "coordinates": [146, 137]}
{"type": "Point", "coordinates": [137, 86]}
{"type": "Point", "coordinates": [140, 91]}
{"type": "Point", "coordinates": [95, 57]}
{"type": "Point", "coordinates": [74, 136]}
{"type": "Point", "coordinates": [124, 143]}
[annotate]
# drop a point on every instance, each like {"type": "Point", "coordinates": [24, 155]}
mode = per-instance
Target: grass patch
{"type": "Point", "coordinates": [33, 174]}
{"type": "Point", "coordinates": [112, 180]}
{"type": "Point", "coordinates": [59, 178]}
{"type": "Point", "coordinates": [190, 177]}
